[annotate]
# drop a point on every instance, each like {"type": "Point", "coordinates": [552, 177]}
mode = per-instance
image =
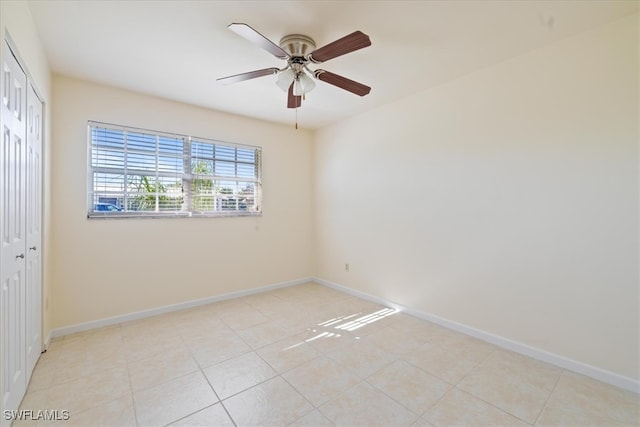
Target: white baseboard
{"type": "Point", "coordinates": [545, 356]}
{"type": "Point", "coordinates": [47, 341]}
{"type": "Point", "coordinates": [100, 323]}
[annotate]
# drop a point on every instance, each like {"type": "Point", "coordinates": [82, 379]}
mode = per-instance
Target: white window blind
{"type": "Point", "coordinates": [136, 172]}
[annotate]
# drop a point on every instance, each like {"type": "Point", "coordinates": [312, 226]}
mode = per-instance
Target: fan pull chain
{"type": "Point", "coordinates": [296, 119]}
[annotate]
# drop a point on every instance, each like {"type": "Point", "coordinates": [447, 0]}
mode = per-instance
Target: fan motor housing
{"type": "Point", "coordinates": [297, 45]}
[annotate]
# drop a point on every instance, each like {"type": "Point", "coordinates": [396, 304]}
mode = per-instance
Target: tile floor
{"type": "Point", "coordinates": [307, 356]}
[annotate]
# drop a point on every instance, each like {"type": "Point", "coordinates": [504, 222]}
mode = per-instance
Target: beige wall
{"type": "Point", "coordinates": [506, 200]}
{"type": "Point", "coordinates": [16, 20]}
{"type": "Point", "coordinates": [106, 268]}
{"type": "Point", "coordinates": [522, 181]}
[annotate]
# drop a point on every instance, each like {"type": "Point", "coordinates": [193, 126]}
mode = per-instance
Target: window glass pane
{"type": "Point", "coordinates": [108, 182]}
{"type": "Point", "coordinates": [246, 170]}
{"type": "Point", "coordinates": [170, 186]}
{"type": "Point", "coordinates": [247, 189]}
{"type": "Point", "coordinates": [170, 145]}
{"type": "Point", "coordinates": [108, 202]}
{"type": "Point", "coordinates": [170, 164]}
{"type": "Point", "coordinates": [246, 155]}
{"type": "Point", "coordinates": [170, 195]}
{"type": "Point", "coordinates": [141, 162]}
{"type": "Point", "coordinates": [225, 168]}
{"type": "Point", "coordinates": [203, 186]}
{"type": "Point", "coordinates": [246, 196]}
{"type": "Point", "coordinates": [141, 203]}
{"type": "Point", "coordinates": [202, 167]}
{"type": "Point", "coordinates": [101, 157]}
{"type": "Point", "coordinates": [168, 203]}
{"type": "Point", "coordinates": [107, 138]}
{"type": "Point", "coordinates": [204, 203]}
{"type": "Point", "coordinates": [142, 171]}
{"type": "Point", "coordinates": [202, 150]}
{"type": "Point", "coordinates": [227, 187]}
{"type": "Point", "coordinates": [225, 153]}
{"type": "Point", "coordinates": [141, 141]}
{"type": "Point", "coordinates": [142, 193]}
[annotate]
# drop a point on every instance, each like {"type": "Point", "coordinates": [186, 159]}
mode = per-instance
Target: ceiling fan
{"type": "Point", "coordinates": [300, 50]}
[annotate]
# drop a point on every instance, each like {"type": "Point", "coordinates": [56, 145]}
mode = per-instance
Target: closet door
{"type": "Point", "coordinates": [12, 232]}
{"type": "Point", "coordinates": [33, 227]}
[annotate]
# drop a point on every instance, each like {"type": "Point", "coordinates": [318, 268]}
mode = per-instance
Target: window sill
{"type": "Point", "coordinates": [155, 215]}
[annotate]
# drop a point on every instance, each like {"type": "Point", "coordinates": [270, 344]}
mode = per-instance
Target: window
{"type": "Point", "coordinates": [136, 172]}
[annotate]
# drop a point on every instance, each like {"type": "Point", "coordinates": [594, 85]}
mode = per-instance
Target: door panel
{"type": "Point", "coordinates": [33, 230]}
{"type": "Point", "coordinates": [13, 242]}
{"type": "Point", "coordinates": [13, 378]}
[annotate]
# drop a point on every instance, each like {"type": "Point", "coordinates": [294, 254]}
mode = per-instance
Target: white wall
{"type": "Point", "coordinates": [506, 200]}
{"type": "Point", "coordinates": [16, 21]}
{"type": "Point", "coordinates": [105, 268]}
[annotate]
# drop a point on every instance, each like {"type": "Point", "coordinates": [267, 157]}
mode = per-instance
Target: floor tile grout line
{"type": "Point", "coordinates": [298, 391]}
{"type": "Point", "coordinates": [399, 358]}
{"type": "Point", "coordinates": [416, 414]}
{"type": "Point", "coordinates": [360, 381]}
{"type": "Point", "coordinates": [219, 399]}
{"type": "Point", "coordinates": [210, 385]}
{"type": "Point", "coordinates": [435, 375]}
{"type": "Point", "coordinates": [476, 365]}
{"type": "Point", "coordinates": [455, 386]}
{"type": "Point", "coordinates": [93, 373]}
{"type": "Point", "coordinates": [280, 374]}
{"type": "Point", "coordinates": [249, 388]}
{"type": "Point", "coordinates": [179, 336]}
{"type": "Point", "coordinates": [133, 401]}
{"type": "Point", "coordinates": [546, 402]}
{"type": "Point", "coordinates": [334, 398]}
{"type": "Point", "coordinates": [493, 405]}
{"type": "Point", "coordinates": [504, 377]}
{"type": "Point", "coordinates": [451, 387]}
{"type": "Point", "coordinates": [101, 404]}
{"type": "Point", "coordinates": [192, 413]}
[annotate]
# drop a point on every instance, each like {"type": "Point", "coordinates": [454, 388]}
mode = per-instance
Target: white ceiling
{"type": "Point", "coordinates": [177, 49]}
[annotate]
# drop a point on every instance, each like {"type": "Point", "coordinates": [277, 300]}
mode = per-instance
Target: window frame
{"type": "Point", "coordinates": [186, 176]}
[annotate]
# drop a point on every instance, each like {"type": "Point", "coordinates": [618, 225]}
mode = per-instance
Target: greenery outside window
{"type": "Point", "coordinates": [138, 172]}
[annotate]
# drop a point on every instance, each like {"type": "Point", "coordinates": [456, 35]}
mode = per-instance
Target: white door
{"type": "Point", "coordinates": [12, 232]}
{"type": "Point", "coordinates": [34, 232]}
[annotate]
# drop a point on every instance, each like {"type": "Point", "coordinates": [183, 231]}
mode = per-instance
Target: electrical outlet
{"type": "Point", "coordinates": [346, 267]}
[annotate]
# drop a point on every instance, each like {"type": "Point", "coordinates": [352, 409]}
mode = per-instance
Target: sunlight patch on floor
{"type": "Point", "coordinates": [366, 320]}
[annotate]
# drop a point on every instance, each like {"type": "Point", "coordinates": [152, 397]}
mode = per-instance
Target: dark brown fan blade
{"type": "Point", "coordinates": [354, 41]}
{"type": "Point", "coordinates": [247, 76]}
{"type": "Point", "coordinates": [342, 82]}
{"type": "Point", "coordinates": [292, 100]}
{"type": "Point", "coordinates": [256, 38]}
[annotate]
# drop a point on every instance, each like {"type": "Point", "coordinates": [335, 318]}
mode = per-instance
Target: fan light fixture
{"type": "Point", "coordinates": [285, 78]}
{"type": "Point", "coordinates": [294, 73]}
{"type": "Point", "coordinates": [302, 83]}
{"type": "Point", "coordinates": [299, 51]}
